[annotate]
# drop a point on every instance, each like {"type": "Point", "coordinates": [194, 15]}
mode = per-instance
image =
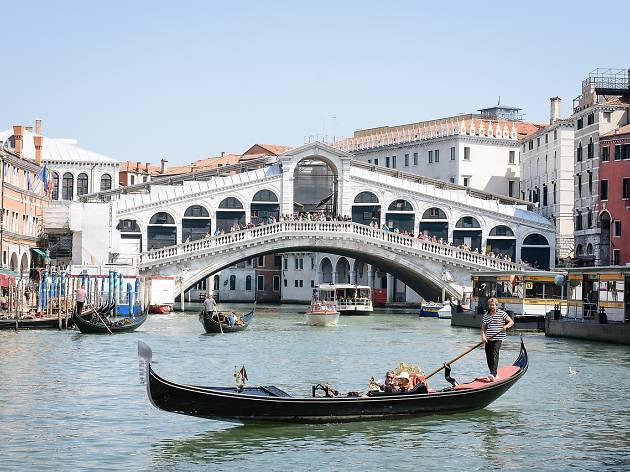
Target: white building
{"type": "Point", "coordinates": [602, 107]}
{"type": "Point", "coordinates": [473, 150]}
{"type": "Point", "coordinates": [547, 176]}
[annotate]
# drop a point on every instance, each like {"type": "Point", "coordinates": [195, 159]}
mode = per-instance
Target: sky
{"type": "Point", "coordinates": [147, 80]}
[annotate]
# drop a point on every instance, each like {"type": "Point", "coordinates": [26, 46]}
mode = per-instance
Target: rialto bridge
{"type": "Point", "coordinates": [188, 227]}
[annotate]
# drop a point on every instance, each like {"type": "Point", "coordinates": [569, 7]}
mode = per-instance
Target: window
{"type": "Point", "coordinates": [452, 180]}
{"type": "Point", "coordinates": [590, 149]}
{"type": "Point", "coordinates": [580, 123]}
{"type": "Point", "coordinates": [301, 283]}
{"type": "Point", "coordinates": [512, 159]}
{"type": "Point", "coordinates": [579, 152]}
{"type": "Point", "coordinates": [603, 190]}
{"type": "Point", "coordinates": [452, 153]}
{"type": "Point", "coordinates": [415, 158]}
{"type": "Point", "coordinates": [296, 283]}
{"type": "Point", "coordinates": [589, 219]}
{"type": "Point", "coordinates": [285, 282]}
{"type": "Point", "coordinates": [67, 186]}
{"type": "Point", "coordinates": [546, 138]}
{"type": "Point", "coordinates": [590, 118]}
{"type": "Point", "coordinates": [387, 161]}
{"type": "Point", "coordinates": [530, 145]}
{"type": "Point", "coordinates": [626, 188]}
{"type": "Point", "coordinates": [555, 134]}
{"type": "Point", "coordinates": [578, 221]}
{"type": "Point", "coordinates": [537, 142]}
{"type": "Point", "coordinates": [55, 191]}
{"type": "Point", "coordinates": [590, 182]}
{"type": "Point", "coordinates": [607, 116]}
{"type": "Point", "coordinates": [260, 283]}
{"type": "Point", "coordinates": [393, 162]}
{"type": "Point", "coordinates": [616, 256]}
{"type": "Point", "coordinates": [579, 185]}
{"type": "Point", "coordinates": [437, 155]}
{"type": "Point", "coordinates": [555, 199]}
{"type": "Point", "coordinates": [617, 232]}
{"type": "Point", "coordinates": [106, 182]}
{"type": "Point", "coordinates": [430, 157]}
{"type": "Point", "coordinates": [605, 153]}
{"type": "Point", "coordinates": [376, 161]}
{"type": "Point", "coordinates": [232, 282]}
{"type": "Point", "coordinates": [466, 153]}
{"type": "Point", "coordinates": [406, 160]}
{"type": "Point", "coordinates": [276, 283]}
{"type": "Point", "coordinates": [248, 282]}
{"type": "Point", "coordinates": [286, 263]}
{"type": "Point", "coordinates": [466, 181]}
{"type": "Point", "coordinates": [312, 283]}
{"type": "Point", "coordinates": [132, 179]}
{"type": "Point", "coordinates": [299, 263]}
{"type": "Point", "coordinates": [369, 161]}
{"type": "Point", "coordinates": [544, 195]}
{"type": "Point", "coordinates": [511, 188]}
{"type": "Point", "coordinates": [622, 151]}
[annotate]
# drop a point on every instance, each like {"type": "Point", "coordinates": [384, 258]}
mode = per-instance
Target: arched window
{"type": "Point", "coordinates": [106, 182]}
{"type": "Point", "coordinates": [67, 186]}
{"type": "Point", "coordinates": [162, 218]}
{"type": "Point", "coordinates": [589, 249]}
{"type": "Point", "coordinates": [55, 188]}
{"type": "Point", "coordinates": [161, 231]}
{"type": "Point", "coordinates": [535, 240]}
{"type": "Point", "coordinates": [366, 197]}
{"type": "Point", "coordinates": [536, 251]}
{"type": "Point", "coordinates": [467, 222]}
{"type": "Point", "coordinates": [400, 205]}
{"type": "Point", "coordinates": [82, 184]}
{"type": "Point", "coordinates": [232, 282]}
{"type": "Point", "coordinates": [195, 223]}
{"type": "Point", "coordinates": [196, 211]}
{"type": "Point", "coordinates": [231, 203]}
{"type": "Point", "coordinates": [579, 250]}
{"type": "Point", "coordinates": [434, 214]}
{"type": "Point", "coordinates": [128, 226]}
{"type": "Point", "coordinates": [248, 282]}
{"type": "Point", "coordinates": [501, 230]}
{"type": "Point", "coordinates": [265, 196]}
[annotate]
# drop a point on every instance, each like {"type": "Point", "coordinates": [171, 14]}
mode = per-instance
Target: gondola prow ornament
{"type": "Point", "coordinates": [240, 377]}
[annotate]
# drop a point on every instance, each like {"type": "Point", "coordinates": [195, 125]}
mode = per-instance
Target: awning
{"type": "Point", "coordinates": [41, 252]}
{"type": "Point", "coordinates": [7, 276]}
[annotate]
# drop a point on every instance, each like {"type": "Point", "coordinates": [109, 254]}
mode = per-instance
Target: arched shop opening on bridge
{"type": "Point", "coordinates": [467, 231]}
{"type": "Point", "coordinates": [229, 214]}
{"type": "Point", "coordinates": [264, 206]}
{"type": "Point", "coordinates": [501, 240]}
{"type": "Point", "coordinates": [535, 251]}
{"type": "Point", "coordinates": [400, 215]}
{"type": "Point", "coordinates": [130, 236]}
{"type": "Point", "coordinates": [314, 187]}
{"type": "Point", "coordinates": [342, 271]}
{"type": "Point", "coordinates": [434, 223]}
{"type": "Point", "coordinates": [195, 223]}
{"type": "Point", "coordinates": [161, 231]}
{"type": "Point", "coordinates": [366, 209]}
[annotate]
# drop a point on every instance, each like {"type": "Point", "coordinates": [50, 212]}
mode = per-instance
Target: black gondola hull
{"type": "Point", "coordinates": [212, 326]}
{"type": "Point", "coordinates": [264, 404]}
{"type": "Point", "coordinates": [88, 327]}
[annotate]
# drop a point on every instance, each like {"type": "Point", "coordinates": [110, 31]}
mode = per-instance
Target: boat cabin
{"type": "Point", "coordinates": [600, 293]}
{"type": "Point", "coordinates": [347, 297]}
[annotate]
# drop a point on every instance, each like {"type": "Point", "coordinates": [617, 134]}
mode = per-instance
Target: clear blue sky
{"type": "Point", "coordinates": [186, 80]}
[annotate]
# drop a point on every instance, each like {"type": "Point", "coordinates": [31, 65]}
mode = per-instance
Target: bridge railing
{"type": "Point", "coordinates": [327, 227]}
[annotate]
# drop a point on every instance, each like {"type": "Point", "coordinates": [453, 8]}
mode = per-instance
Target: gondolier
{"type": "Point", "coordinates": [494, 325]}
{"type": "Point", "coordinates": [209, 304]}
{"type": "Point", "coordinates": [80, 296]}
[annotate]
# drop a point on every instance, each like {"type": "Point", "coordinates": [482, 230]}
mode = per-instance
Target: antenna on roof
{"type": "Point", "coordinates": [499, 102]}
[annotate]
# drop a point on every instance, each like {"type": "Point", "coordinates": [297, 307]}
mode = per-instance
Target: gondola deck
{"type": "Point", "coordinates": [269, 403]}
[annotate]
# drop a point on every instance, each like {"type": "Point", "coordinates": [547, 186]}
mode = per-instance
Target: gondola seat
{"type": "Point", "coordinates": [503, 373]}
{"type": "Point", "coordinates": [420, 388]}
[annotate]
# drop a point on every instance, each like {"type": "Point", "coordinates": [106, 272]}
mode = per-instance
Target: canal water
{"type": "Point", "coordinates": [70, 401]}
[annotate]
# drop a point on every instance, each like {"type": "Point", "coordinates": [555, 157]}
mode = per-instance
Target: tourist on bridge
{"type": "Point", "coordinates": [494, 321]}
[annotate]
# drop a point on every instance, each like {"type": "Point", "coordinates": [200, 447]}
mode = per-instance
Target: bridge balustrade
{"type": "Point", "coordinates": [314, 228]}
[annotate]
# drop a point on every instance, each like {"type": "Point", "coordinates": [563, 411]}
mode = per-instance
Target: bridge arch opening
{"type": "Point", "coordinates": [195, 223]}
{"type": "Point", "coordinates": [130, 236]}
{"type": "Point", "coordinates": [161, 231]}
{"type": "Point", "coordinates": [264, 207]}
{"type": "Point", "coordinates": [315, 186]}
{"type": "Point", "coordinates": [230, 213]}
{"type": "Point", "coordinates": [434, 222]}
{"type": "Point", "coordinates": [342, 270]}
{"type": "Point", "coordinates": [401, 216]}
{"type": "Point", "coordinates": [366, 209]}
{"type": "Point", "coordinates": [501, 240]}
{"type": "Point", "coordinates": [467, 232]}
{"type": "Point", "coordinates": [535, 251]}
{"type": "Point", "coordinates": [325, 268]}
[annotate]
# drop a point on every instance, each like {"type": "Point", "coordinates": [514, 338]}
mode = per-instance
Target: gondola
{"type": "Point", "coordinates": [211, 325]}
{"type": "Point", "coordinates": [269, 403]}
{"type": "Point", "coordinates": [99, 325]}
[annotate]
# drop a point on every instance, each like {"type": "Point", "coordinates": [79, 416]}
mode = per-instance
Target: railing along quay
{"type": "Point", "coordinates": [317, 228]}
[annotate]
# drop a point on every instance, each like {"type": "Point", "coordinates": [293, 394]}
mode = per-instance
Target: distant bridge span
{"type": "Point", "coordinates": [418, 263]}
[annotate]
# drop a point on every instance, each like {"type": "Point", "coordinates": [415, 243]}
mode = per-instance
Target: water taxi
{"type": "Point", "coordinates": [435, 310]}
{"type": "Point", "coordinates": [321, 313]}
{"type": "Point", "coordinates": [348, 298]}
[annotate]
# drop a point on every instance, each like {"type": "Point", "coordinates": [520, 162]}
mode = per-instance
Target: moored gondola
{"type": "Point", "coordinates": [211, 323]}
{"type": "Point", "coordinates": [98, 323]}
{"type": "Point", "coordinates": [269, 403]}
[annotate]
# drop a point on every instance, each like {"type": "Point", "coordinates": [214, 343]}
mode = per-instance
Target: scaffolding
{"type": "Point", "coordinates": [609, 81]}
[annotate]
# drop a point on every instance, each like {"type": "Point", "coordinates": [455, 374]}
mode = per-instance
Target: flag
{"type": "Point", "coordinates": [243, 373]}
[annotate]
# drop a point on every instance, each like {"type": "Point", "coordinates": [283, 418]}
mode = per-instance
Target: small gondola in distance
{"type": "Point", "coordinates": [89, 325]}
{"type": "Point", "coordinates": [271, 404]}
{"type": "Point", "coordinates": [212, 326]}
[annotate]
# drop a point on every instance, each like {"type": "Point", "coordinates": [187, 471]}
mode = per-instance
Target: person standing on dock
{"type": "Point", "coordinates": [80, 296]}
{"type": "Point", "coordinates": [494, 321]}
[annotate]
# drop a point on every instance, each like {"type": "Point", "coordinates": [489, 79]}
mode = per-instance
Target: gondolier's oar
{"type": "Point", "coordinates": [102, 321]}
{"type": "Point", "coordinates": [460, 356]}
{"type": "Point", "coordinates": [218, 320]}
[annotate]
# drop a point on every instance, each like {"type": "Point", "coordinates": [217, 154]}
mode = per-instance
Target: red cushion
{"type": "Point", "coordinates": [503, 373]}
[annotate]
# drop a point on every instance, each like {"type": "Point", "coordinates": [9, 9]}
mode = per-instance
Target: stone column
{"type": "Point", "coordinates": [371, 276]}
{"type": "Point", "coordinates": [353, 276]}
{"type": "Point", "coordinates": [391, 286]}
{"type": "Point", "coordinates": [334, 276]}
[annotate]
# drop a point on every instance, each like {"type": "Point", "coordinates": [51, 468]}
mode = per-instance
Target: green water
{"type": "Point", "coordinates": [70, 401]}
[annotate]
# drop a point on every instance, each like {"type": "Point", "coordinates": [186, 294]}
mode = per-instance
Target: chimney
{"type": "Point", "coordinates": [222, 153]}
{"type": "Point", "coordinates": [38, 141]}
{"type": "Point", "coordinates": [137, 167]}
{"type": "Point", "coordinates": [18, 133]}
{"type": "Point", "coordinates": [163, 165]}
{"type": "Point", "coordinates": [146, 167]}
{"type": "Point", "coordinates": [554, 113]}
{"type": "Point", "coordinates": [38, 126]}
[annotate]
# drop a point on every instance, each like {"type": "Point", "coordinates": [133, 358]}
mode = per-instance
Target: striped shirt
{"type": "Point", "coordinates": [494, 323]}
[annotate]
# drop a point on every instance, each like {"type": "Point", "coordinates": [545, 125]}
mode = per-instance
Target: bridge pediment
{"type": "Point", "coordinates": [338, 160]}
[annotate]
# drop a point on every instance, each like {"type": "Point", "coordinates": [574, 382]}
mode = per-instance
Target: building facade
{"type": "Point", "coordinates": [547, 177]}
{"type": "Point", "coordinates": [602, 107]}
{"type": "Point", "coordinates": [614, 193]}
